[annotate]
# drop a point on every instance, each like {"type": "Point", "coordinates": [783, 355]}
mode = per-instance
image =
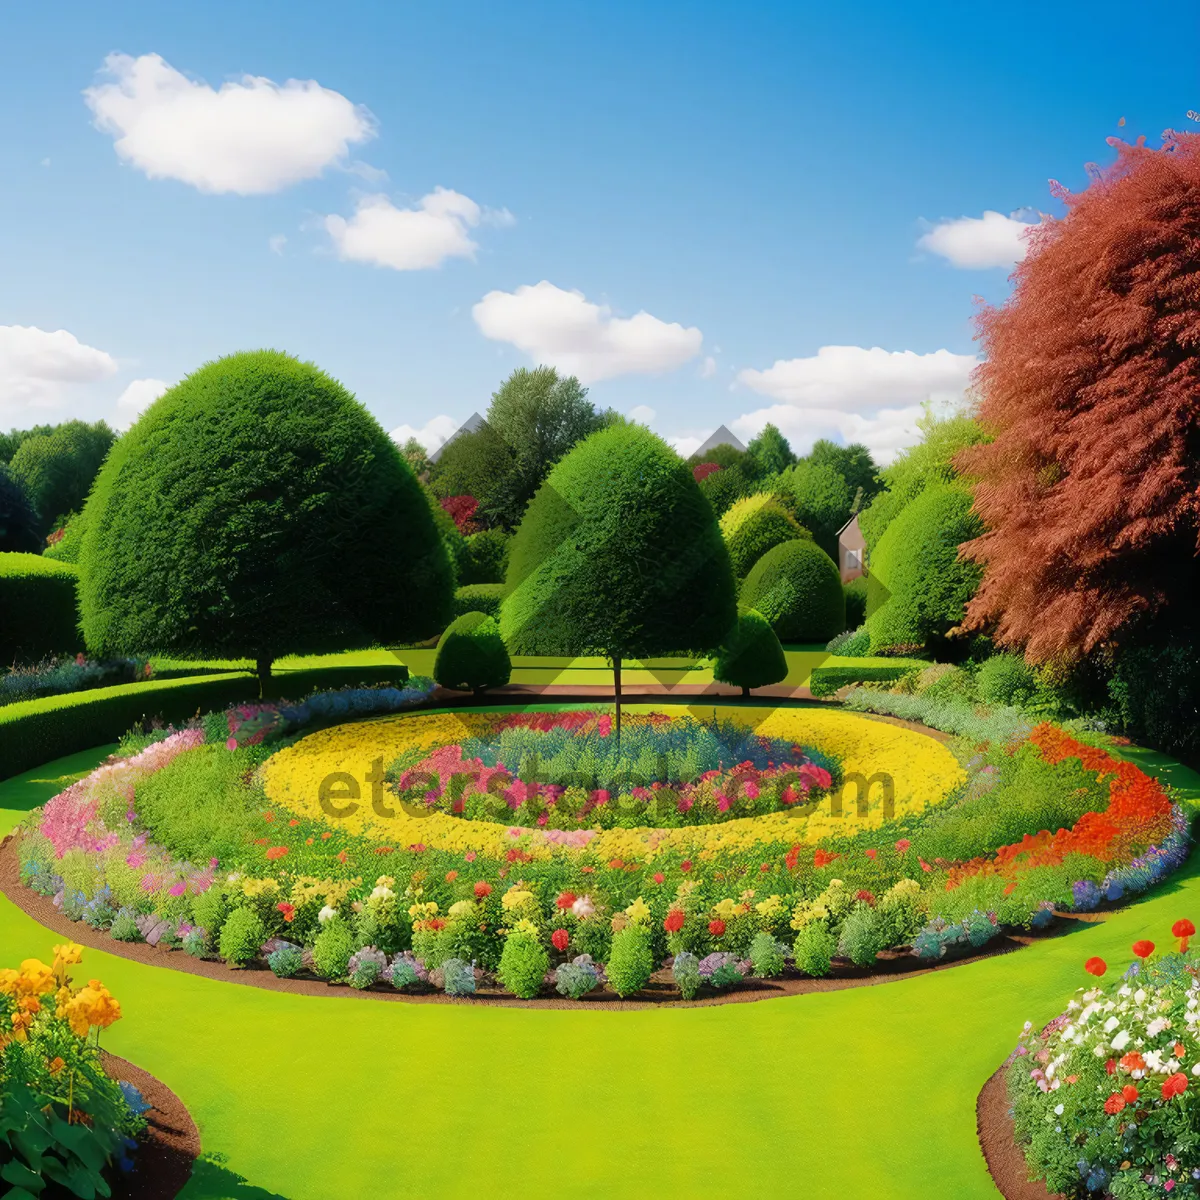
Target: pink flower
{"type": "Point", "coordinates": [752, 790]}
{"type": "Point", "coordinates": [178, 889]}
{"type": "Point", "coordinates": [470, 856]}
{"type": "Point", "coordinates": [722, 803]}
{"type": "Point", "coordinates": [604, 726]}
{"type": "Point", "coordinates": [231, 744]}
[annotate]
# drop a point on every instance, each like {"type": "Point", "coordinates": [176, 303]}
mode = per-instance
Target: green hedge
{"type": "Point", "coordinates": [824, 681]}
{"type": "Point", "coordinates": [37, 731]}
{"type": "Point", "coordinates": [479, 597]}
{"type": "Point", "coordinates": [38, 609]}
{"type": "Point", "coordinates": [796, 586]}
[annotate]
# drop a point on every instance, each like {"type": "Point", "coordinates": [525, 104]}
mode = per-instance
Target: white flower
{"type": "Point", "coordinates": [1139, 997]}
{"type": "Point", "coordinates": [1111, 1024]}
{"type": "Point", "coordinates": [235, 877]}
{"type": "Point", "coordinates": [1196, 1069]}
{"type": "Point", "coordinates": [583, 907]}
{"type": "Point", "coordinates": [326, 914]}
{"type": "Point", "coordinates": [1153, 1060]}
{"type": "Point", "coordinates": [1157, 1026]}
{"type": "Point", "coordinates": [1121, 1040]}
{"type": "Point", "coordinates": [383, 893]}
{"type": "Point", "coordinates": [1100, 1051]}
{"type": "Point", "coordinates": [1058, 1108]}
{"type": "Point", "coordinates": [1124, 990]}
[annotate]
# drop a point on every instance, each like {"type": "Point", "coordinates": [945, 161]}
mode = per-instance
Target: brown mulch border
{"type": "Point", "coordinates": [1005, 1159]}
{"type": "Point", "coordinates": [891, 965]}
{"type": "Point", "coordinates": [170, 1146]}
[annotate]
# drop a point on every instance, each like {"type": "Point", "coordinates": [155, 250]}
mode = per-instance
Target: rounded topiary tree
{"type": "Point", "coordinates": [619, 554]}
{"type": "Point", "coordinates": [471, 655]}
{"type": "Point", "coordinates": [751, 655]}
{"type": "Point", "coordinates": [753, 526]}
{"type": "Point", "coordinates": [257, 509]}
{"type": "Point", "coordinates": [919, 586]}
{"type": "Point", "coordinates": [37, 608]}
{"type": "Point", "coordinates": [797, 588]}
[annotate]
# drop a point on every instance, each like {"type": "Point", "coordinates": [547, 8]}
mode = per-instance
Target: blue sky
{"type": "Point", "coordinates": [756, 179]}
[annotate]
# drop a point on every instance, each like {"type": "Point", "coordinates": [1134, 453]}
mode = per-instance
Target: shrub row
{"type": "Point", "coordinates": [37, 608]}
{"type": "Point", "coordinates": [824, 681]}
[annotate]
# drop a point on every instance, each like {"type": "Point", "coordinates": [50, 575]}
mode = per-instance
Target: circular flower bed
{"type": "Point", "coordinates": [239, 838]}
{"type": "Point", "coordinates": [1103, 1096]}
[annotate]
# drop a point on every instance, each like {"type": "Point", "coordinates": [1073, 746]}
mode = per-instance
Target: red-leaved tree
{"type": "Point", "coordinates": [462, 510]}
{"type": "Point", "coordinates": [1090, 490]}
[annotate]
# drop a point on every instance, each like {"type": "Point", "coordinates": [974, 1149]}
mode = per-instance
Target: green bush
{"type": "Point", "coordinates": [257, 510]}
{"type": "Point", "coordinates": [242, 937]}
{"type": "Point", "coordinates": [67, 548]}
{"type": "Point", "coordinates": [754, 525]}
{"type": "Point", "coordinates": [37, 609]}
{"type": "Point", "coordinates": [686, 971]}
{"type": "Point", "coordinates": [1006, 679]}
{"type": "Point", "coordinates": [797, 588]}
{"type": "Point", "coordinates": [57, 468]}
{"type": "Point", "coordinates": [451, 537]}
{"type": "Point", "coordinates": [854, 643]}
{"type": "Point", "coordinates": [19, 528]}
{"type": "Point", "coordinates": [471, 655]}
{"type": "Point", "coordinates": [487, 557]}
{"type": "Point", "coordinates": [918, 588]}
{"type": "Point", "coordinates": [479, 598]}
{"type": "Point", "coordinates": [523, 965]}
{"type": "Point", "coordinates": [856, 601]}
{"type": "Point", "coordinates": [814, 949]}
{"type": "Point", "coordinates": [333, 948]}
{"type": "Point", "coordinates": [124, 927]}
{"type": "Point", "coordinates": [630, 964]}
{"type": "Point", "coordinates": [824, 681]}
{"type": "Point", "coordinates": [766, 956]}
{"type": "Point", "coordinates": [209, 910]}
{"type": "Point", "coordinates": [751, 655]}
{"type": "Point", "coordinates": [863, 936]}
{"type": "Point", "coordinates": [823, 500]}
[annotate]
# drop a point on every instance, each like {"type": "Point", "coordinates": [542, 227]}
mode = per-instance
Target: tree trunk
{"type": "Point", "coordinates": [616, 662]}
{"type": "Point", "coordinates": [745, 691]}
{"type": "Point", "coordinates": [262, 668]}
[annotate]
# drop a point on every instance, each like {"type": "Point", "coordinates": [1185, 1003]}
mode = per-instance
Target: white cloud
{"type": "Point", "coordinates": [883, 433]}
{"type": "Point", "coordinates": [248, 137]}
{"type": "Point", "coordinates": [136, 398]}
{"type": "Point", "coordinates": [685, 447]}
{"type": "Point", "coordinates": [277, 243]}
{"type": "Point", "coordinates": [567, 331]}
{"type": "Point", "coordinates": [976, 243]}
{"type": "Point", "coordinates": [708, 368]}
{"type": "Point", "coordinates": [431, 435]}
{"type": "Point", "coordinates": [643, 414]}
{"type": "Point", "coordinates": [409, 239]}
{"type": "Point", "coordinates": [36, 366]}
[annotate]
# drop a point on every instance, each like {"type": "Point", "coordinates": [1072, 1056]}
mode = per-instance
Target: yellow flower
{"type": "Point", "coordinates": [525, 926]}
{"type": "Point", "coordinates": [463, 908]}
{"type": "Point", "coordinates": [423, 911]}
{"type": "Point", "coordinates": [638, 912]}
{"type": "Point", "coordinates": [69, 955]}
{"type": "Point", "coordinates": [770, 907]}
{"type": "Point", "coordinates": [35, 978]}
{"type": "Point", "coordinates": [8, 981]}
{"type": "Point", "coordinates": [93, 1006]}
{"type": "Point", "coordinates": [517, 897]}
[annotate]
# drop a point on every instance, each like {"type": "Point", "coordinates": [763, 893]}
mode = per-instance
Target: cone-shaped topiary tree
{"type": "Point", "coordinates": [471, 655]}
{"type": "Point", "coordinates": [619, 554]}
{"type": "Point", "coordinates": [798, 589]}
{"type": "Point", "coordinates": [255, 510]}
{"type": "Point", "coordinates": [755, 525]}
{"type": "Point", "coordinates": [751, 655]}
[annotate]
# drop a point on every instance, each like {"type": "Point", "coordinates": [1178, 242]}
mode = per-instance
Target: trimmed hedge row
{"type": "Point", "coordinates": [38, 617]}
{"type": "Point", "coordinates": [824, 681]}
{"type": "Point", "coordinates": [38, 731]}
{"type": "Point", "coordinates": [479, 597]}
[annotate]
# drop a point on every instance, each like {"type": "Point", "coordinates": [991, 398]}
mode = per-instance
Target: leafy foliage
{"type": "Point", "coordinates": [232, 520]}
{"type": "Point", "coordinates": [471, 655]}
{"type": "Point", "coordinates": [853, 463]}
{"type": "Point", "coordinates": [479, 597]}
{"type": "Point", "coordinates": [487, 557]}
{"type": "Point", "coordinates": [57, 468]}
{"type": "Point", "coordinates": [797, 588]}
{"type": "Point", "coordinates": [770, 451]}
{"type": "Point", "coordinates": [751, 655]}
{"type": "Point", "coordinates": [37, 608]}
{"type": "Point", "coordinates": [754, 525]}
{"type": "Point", "coordinates": [823, 501]}
{"type": "Point", "coordinates": [523, 965]}
{"type": "Point", "coordinates": [19, 525]}
{"type": "Point", "coordinates": [630, 964]}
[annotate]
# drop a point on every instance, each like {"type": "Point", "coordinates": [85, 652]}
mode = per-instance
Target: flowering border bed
{"type": "Point", "coordinates": [530, 915]}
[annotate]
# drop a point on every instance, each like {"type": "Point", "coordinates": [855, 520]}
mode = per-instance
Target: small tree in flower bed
{"type": "Point", "coordinates": [1102, 1095]}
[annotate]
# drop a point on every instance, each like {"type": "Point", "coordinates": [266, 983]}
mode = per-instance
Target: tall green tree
{"type": "Point", "coordinates": [771, 451]}
{"type": "Point", "coordinates": [619, 555]}
{"type": "Point", "coordinates": [56, 469]}
{"type": "Point", "coordinates": [256, 509]}
{"type": "Point", "coordinates": [479, 464]}
{"type": "Point", "coordinates": [853, 463]}
{"type": "Point", "coordinates": [18, 521]}
{"type": "Point", "coordinates": [821, 499]}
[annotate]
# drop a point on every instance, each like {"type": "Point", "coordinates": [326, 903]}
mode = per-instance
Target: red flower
{"type": "Point", "coordinates": [716, 927]}
{"type": "Point", "coordinates": [871, 854]}
{"type": "Point", "coordinates": [451, 876]}
{"type": "Point", "coordinates": [1133, 1061]}
{"type": "Point", "coordinates": [268, 816]}
{"type": "Point", "coordinates": [560, 939]}
{"type": "Point", "coordinates": [1110, 1066]}
{"type": "Point", "coordinates": [616, 864]}
{"type": "Point", "coordinates": [1143, 949]}
{"type": "Point", "coordinates": [343, 857]}
{"type": "Point", "coordinates": [1114, 1104]}
{"type": "Point", "coordinates": [674, 921]}
{"type": "Point", "coordinates": [276, 852]}
{"type": "Point", "coordinates": [792, 858]}
{"type": "Point", "coordinates": [1130, 1093]}
{"type": "Point", "coordinates": [288, 910]}
{"type": "Point", "coordinates": [1183, 930]}
{"type": "Point", "coordinates": [764, 868]}
{"type": "Point", "coordinates": [924, 865]}
{"type": "Point", "coordinates": [866, 897]}
{"type": "Point", "coordinates": [659, 877]}
{"type": "Point", "coordinates": [902, 846]}
{"type": "Point", "coordinates": [566, 899]}
{"type": "Point", "coordinates": [482, 890]}
{"type": "Point", "coordinates": [1174, 1085]}
{"type": "Point", "coordinates": [822, 858]}
{"type": "Point", "coordinates": [686, 865]}
{"type": "Point", "coordinates": [1095, 966]}
{"type": "Point", "coordinates": [293, 821]}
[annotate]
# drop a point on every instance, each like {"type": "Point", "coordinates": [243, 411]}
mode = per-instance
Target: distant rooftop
{"type": "Point", "coordinates": [472, 423]}
{"type": "Point", "coordinates": [722, 437]}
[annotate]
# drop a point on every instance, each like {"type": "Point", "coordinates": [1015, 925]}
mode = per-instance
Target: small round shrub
{"type": "Point", "coordinates": [241, 937]}
{"type": "Point", "coordinates": [286, 961]}
{"type": "Point", "coordinates": [863, 936]}
{"type": "Point", "coordinates": [195, 943]}
{"type": "Point", "coordinates": [479, 597]}
{"type": "Point", "coordinates": [458, 977]}
{"type": "Point", "coordinates": [523, 965]}
{"type": "Point", "coordinates": [814, 949]}
{"type": "Point", "coordinates": [753, 526]}
{"type": "Point", "coordinates": [797, 588]}
{"type": "Point", "coordinates": [365, 967]}
{"type": "Point", "coordinates": [471, 655]}
{"type": "Point", "coordinates": [577, 978]}
{"type": "Point", "coordinates": [766, 956]}
{"type": "Point", "coordinates": [854, 643]}
{"type": "Point", "coordinates": [487, 557]}
{"type": "Point", "coordinates": [333, 948]}
{"type": "Point", "coordinates": [209, 910]}
{"type": "Point", "coordinates": [125, 927]}
{"type": "Point", "coordinates": [686, 972]}
{"type": "Point", "coordinates": [1006, 679]}
{"type": "Point", "coordinates": [751, 655]}
{"type": "Point", "coordinates": [630, 964]}
{"type": "Point", "coordinates": [38, 614]}
{"type": "Point", "coordinates": [406, 971]}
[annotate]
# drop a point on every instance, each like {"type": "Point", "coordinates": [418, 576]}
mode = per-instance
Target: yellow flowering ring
{"type": "Point", "coordinates": [889, 772]}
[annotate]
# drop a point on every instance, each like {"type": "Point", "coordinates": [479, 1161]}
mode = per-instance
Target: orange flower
{"type": "Point", "coordinates": [1183, 930]}
{"type": "Point", "coordinates": [1114, 1104]}
{"type": "Point", "coordinates": [276, 852]}
{"type": "Point", "coordinates": [451, 876]}
{"type": "Point", "coordinates": [1130, 1093]}
{"type": "Point", "coordinates": [1095, 966]}
{"type": "Point", "coordinates": [21, 1021]}
{"type": "Point", "coordinates": [822, 858]}
{"type": "Point", "coordinates": [343, 857]}
{"type": "Point", "coordinates": [326, 835]}
{"type": "Point", "coordinates": [1174, 1085]}
{"type": "Point", "coordinates": [56, 1064]}
{"type": "Point", "coordinates": [288, 910]}
{"type": "Point", "coordinates": [482, 890]}
{"type": "Point", "coordinates": [1133, 1061]}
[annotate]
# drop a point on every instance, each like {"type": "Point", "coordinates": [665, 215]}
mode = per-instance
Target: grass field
{"type": "Point", "coordinates": [864, 1092]}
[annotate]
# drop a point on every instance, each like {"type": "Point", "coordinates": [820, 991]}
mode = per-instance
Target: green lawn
{"type": "Point", "coordinates": [866, 1092]}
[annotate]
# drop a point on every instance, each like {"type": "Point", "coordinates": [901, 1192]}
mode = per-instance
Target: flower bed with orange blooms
{"type": "Point", "coordinates": [226, 848]}
{"type": "Point", "coordinates": [1104, 1097]}
{"type": "Point", "coordinates": [62, 1120]}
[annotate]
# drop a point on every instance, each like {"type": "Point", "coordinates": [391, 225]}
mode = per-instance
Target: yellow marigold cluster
{"type": "Point", "coordinates": [92, 1006]}
{"type": "Point", "coordinates": [329, 891]}
{"type": "Point", "coordinates": [87, 1008]}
